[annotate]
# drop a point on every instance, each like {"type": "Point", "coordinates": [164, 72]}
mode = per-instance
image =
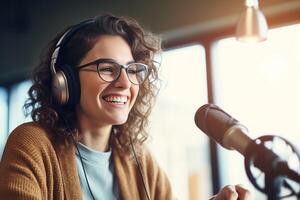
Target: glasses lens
{"type": "Point", "coordinates": [108, 71]}
{"type": "Point", "coordinates": [137, 72]}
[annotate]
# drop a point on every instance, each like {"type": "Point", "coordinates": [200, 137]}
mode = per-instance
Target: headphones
{"type": "Point", "coordinates": [65, 79]}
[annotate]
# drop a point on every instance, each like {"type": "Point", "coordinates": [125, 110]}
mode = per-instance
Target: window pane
{"type": "Point", "coordinates": [17, 99]}
{"type": "Point", "coordinates": [176, 142]}
{"type": "Point", "coordinates": [258, 84]}
{"type": "Point", "coordinates": [3, 118]}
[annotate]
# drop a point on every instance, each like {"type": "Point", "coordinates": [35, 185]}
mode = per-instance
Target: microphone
{"type": "Point", "coordinates": [228, 132]}
{"type": "Point", "coordinates": [223, 128]}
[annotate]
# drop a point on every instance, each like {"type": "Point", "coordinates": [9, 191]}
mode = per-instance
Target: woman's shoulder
{"type": "Point", "coordinates": [147, 157]}
{"type": "Point", "coordinates": [155, 174]}
{"type": "Point", "coordinates": [30, 132]}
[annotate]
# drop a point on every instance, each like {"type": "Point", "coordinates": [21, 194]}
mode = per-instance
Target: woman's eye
{"type": "Point", "coordinates": [106, 69]}
{"type": "Point", "coordinates": [136, 71]}
{"type": "Point", "coordinates": [132, 71]}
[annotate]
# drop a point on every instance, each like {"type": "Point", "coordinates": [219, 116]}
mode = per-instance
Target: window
{"type": "Point", "coordinates": [3, 118]}
{"type": "Point", "coordinates": [258, 84]}
{"type": "Point", "coordinates": [180, 148]}
{"type": "Point", "coordinates": [18, 96]}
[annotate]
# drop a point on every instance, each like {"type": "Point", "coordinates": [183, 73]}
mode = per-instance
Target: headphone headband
{"type": "Point", "coordinates": [64, 40]}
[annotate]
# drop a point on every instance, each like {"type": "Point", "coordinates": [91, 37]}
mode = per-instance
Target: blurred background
{"type": "Point", "coordinates": [257, 83]}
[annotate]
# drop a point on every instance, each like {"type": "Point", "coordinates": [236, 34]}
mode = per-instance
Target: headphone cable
{"type": "Point", "coordinates": [135, 157]}
{"type": "Point", "coordinates": [140, 169]}
{"type": "Point", "coordinates": [80, 157]}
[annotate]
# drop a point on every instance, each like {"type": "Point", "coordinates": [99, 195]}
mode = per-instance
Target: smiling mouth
{"type": "Point", "coordinates": [116, 99]}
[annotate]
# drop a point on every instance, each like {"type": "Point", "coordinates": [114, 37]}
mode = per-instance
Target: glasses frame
{"type": "Point", "coordinates": [125, 67]}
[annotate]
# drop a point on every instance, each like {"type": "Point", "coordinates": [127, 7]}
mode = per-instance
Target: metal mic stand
{"type": "Point", "coordinates": [275, 169]}
{"type": "Point", "coordinates": [273, 186]}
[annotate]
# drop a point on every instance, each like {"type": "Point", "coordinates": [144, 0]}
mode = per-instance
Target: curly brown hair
{"type": "Point", "coordinates": [62, 121]}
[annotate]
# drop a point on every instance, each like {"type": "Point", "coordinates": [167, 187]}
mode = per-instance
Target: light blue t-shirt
{"type": "Point", "coordinates": [99, 170]}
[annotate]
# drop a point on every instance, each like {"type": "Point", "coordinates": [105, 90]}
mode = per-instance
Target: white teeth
{"type": "Point", "coordinates": [116, 99]}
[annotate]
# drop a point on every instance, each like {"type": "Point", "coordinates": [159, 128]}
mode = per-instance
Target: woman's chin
{"type": "Point", "coordinates": [119, 121]}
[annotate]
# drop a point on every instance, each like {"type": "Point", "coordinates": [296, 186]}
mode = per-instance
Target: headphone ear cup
{"type": "Point", "coordinates": [60, 90]}
{"type": "Point", "coordinates": [65, 81]}
{"type": "Point", "coordinates": [73, 86]}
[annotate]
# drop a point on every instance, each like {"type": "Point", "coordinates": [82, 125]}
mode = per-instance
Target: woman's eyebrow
{"type": "Point", "coordinates": [114, 61]}
{"type": "Point", "coordinates": [130, 62]}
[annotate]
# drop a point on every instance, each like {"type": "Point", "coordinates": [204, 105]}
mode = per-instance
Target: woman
{"type": "Point", "coordinates": [90, 101]}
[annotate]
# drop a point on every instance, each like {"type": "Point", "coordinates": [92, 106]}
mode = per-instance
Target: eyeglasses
{"type": "Point", "coordinates": [109, 71]}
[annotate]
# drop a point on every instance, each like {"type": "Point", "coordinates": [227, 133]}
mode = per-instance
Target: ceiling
{"type": "Point", "coordinates": [28, 25]}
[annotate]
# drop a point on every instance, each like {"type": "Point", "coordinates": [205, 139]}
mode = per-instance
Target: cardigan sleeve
{"type": "Point", "coordinates": [22, 168]}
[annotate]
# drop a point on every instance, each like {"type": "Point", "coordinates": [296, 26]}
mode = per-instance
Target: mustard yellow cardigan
{"type": "Point", "coordinates": [34, 167]}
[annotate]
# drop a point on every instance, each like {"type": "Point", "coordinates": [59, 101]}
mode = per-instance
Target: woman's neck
{"type": "Point", "coordinates": [95, 138]}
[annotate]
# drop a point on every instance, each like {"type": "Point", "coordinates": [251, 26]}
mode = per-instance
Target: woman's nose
{"type": "Point", "coordinates": [123, 80]}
